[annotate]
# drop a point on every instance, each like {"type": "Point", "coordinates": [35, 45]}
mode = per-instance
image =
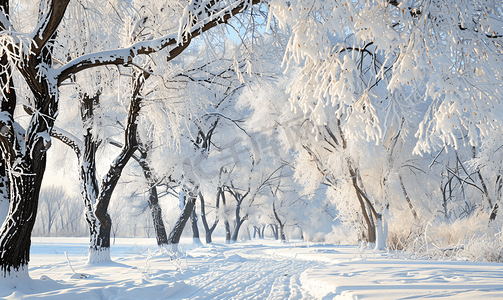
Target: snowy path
{"type": "Point", "coordinates": [250, 274]}
{"type": "Point", "coordinates": [251, 270]}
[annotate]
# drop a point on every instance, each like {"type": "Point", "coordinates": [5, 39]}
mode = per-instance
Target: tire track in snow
{"type": "Point", "coordinates": [241, 277]}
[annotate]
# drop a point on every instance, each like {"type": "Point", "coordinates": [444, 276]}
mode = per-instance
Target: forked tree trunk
{"type": "Point", "coordinates": [153, 199]}
{"type": "Point", "coordinates": [235, 233]}
{"type": "Point", "coordinates": [256, 230]}
{"type": "Point", "coordinates": [239, 201]}
{"type": "Point", "coordinates": [239, 222]}
{"type": "Point", "coordinates": [365, 204]}
{"type": "Point", "coordinates": [101, 250]}
{"type": "Point", "coordinates": [209, 230]}
{"type": "Point", "coordinates": [482, 182]}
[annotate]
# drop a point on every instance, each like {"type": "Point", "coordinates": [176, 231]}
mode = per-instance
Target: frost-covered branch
{"type": "Point", "coordinates": [52, 14]}
{"type": "Point", "coordinates": [177, 41]}
{"type": "Point", "coordinates": [68, 139]}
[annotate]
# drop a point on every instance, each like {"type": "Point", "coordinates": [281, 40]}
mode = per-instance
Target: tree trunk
{"type": "Point", "coordinates": [24, 152]}
{"type": "Point", "coordinates": [281, 224]}
{"type": "Point", "coordinates": [227, 231]}
{"type": "Point", "coordinates": [24, 182]}
{"type": "Point", "coordinates": [239, 222]}
{"type": "Point", "coordinates": [381, 233]}
{"type": "Point", "coordinates": [353, 172]}
{"type": "Point", "coordinates": [4, 192]}
{"type": "Point", "coordinates": [87, 172]}
{"type": "Point", "coordinates": [301, 233]}
{"type": "Point", "coordinates": [101, 250]}
{"type": "Point", "coordinates": [155, 208]}
{"type": "Point", "coordinates": [153, 201]}
{"type": "Point", "coordinates": [16, 230]}
{"type": "Point", "coordinates": [404, 191]}
{"type": "Point", "coordinates": [274, 229]}
{"type": "Point", "coordinates": [235, 234]}
{"type": "Point", "coordinates": [255, 231]}
{"type": "Point", "coordinates": [176, 232]}
{"type": "Point", "coordinates": [226, 222]}
{"type": "Point", "coordinates": [195, 228]}
{"type": "Point", "coordinates": [482, 182]}
{"type": "Point", "coordinates": [282, 232]}
{"type": "Point", "coordinates": [370, 228]}
{"type": "Point", "coordinates": [494, 211]}
{"type": "Point", "coordinates": [207, 229]}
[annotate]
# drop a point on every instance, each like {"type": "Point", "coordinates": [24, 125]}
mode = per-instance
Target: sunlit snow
{"type": "Point", "coordinates": [257, 269]}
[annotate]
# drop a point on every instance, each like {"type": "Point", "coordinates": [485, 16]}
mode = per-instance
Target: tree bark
{"type": "Point", "coordinates": [371, 238]}
{"type": "Point", "coordinates": [16, 229]}
{"type": "Point", "coordinates": [404, 191]}
{"type": "Point", "coordinates": [24, 152]}
{"type": "Point", "coordinates": [494, 212]}
{"type": "Point", "coordinates": [195, 228]}
{"type": "Point", "coordinates": [235, 233]}
{"type": "Point", "coordinates": [153, 201]}
{"type": "Point", "coordinates": [176, 232]}
{"type": "Point", "coordinates": [274, 229]}
{"type": "Point", "coordinates": [207, 229]}
{"type": "Point", "coordinates": [227, 227]}
{"type": "Point", "coordinates": [4, 189]}
{"type": "Point", "coordinates": [226, 222]}
{"type": "Point", "coordinates": [239, 222]}
{"type": "Point", "coordinates": [281, 224]}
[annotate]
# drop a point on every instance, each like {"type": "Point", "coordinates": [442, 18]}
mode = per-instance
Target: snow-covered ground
{"type": "Point", "coordinates": [259, 269]}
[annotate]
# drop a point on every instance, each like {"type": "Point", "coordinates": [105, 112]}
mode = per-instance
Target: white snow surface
{"type": "Point", "coordinates": [258, 269]}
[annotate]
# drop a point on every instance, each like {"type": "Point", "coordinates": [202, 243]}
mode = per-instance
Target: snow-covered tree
{"type": "Point", "coordinates": [381, 71]}
{"type": "Point", "coordinates": [31, 51]}
{"type": "Point", "coordinates": [376, 62]}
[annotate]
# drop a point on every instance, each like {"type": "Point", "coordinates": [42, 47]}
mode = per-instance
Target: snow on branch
{"type": "Point", "coordinates": [374, 63]}
{"type": "Point", "coordinates": [190, 27]}
{"type": "Point", "coordinates": [68, 139]}
{"type": "Point", "coordinates": [48, 23]}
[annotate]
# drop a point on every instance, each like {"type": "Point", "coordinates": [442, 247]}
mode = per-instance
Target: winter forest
{"type": "Point", "coordinates": [369, 124]}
